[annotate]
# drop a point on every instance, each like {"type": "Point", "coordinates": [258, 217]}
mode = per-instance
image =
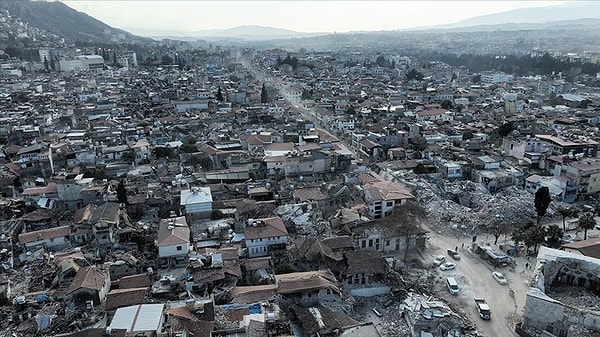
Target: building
{"type": "Point", "coordinates": [563, 295]}
{"type": "Point", "coordinates": [173, 237]}
{"type": "Point", "coordinates": [196, 202]}
{"type": "Point", "coordinates": [572, 145]}
{"type": "Point", "coordinates": [382, 196]}
{"type": "Point", "coordinates": [52, 239]}
{"type": "Point", "coordinates": [129, 59]}
{"type": "Point", "coordinates": [139, 319]}
{"type": "Point", "coordinates": [90, 284]}
{"type": "Point", "coordinates": [496, 78]}
{"type": "Point", "coordinates": [307, 288]}
{"type": "Point", "coordinates": [265, 236]}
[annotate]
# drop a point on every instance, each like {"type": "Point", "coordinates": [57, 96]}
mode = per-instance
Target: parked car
{"type": "Point", "coordinates": [453, 254]}
{"type": "Point", "coordinates": [499, 278]}
{"type": "Point", "coordinates": [439, 260]}
{"type": "Point", "coordinates": [448, 266]}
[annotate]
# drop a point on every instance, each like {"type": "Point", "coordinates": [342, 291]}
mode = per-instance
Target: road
{"type": "Point", "coordinates": [474, 277]}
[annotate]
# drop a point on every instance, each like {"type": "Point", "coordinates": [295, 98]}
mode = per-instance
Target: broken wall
{"type": "Point", "coordinates": [544, 313]}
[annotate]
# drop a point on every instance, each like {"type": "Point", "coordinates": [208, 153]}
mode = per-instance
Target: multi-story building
{"type": "Point", "coordinates": [265, 236]}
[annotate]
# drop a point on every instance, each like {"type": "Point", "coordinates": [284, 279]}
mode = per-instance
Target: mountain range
{"type": "Point", "coordinates": [57, 18]}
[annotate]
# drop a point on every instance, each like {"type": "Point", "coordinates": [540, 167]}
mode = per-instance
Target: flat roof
{"type": "Point", "coordinates": [142, 317]}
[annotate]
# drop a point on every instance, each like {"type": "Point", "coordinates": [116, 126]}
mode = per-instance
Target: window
{"type": "Point", "coordinates": [370, 242]}
{"type": "Point", "coordinates": [363, 244]}
{"type": "Point", "coordinates": [179, 248]}
{"type": "Point", "coordinates": [389, 204]}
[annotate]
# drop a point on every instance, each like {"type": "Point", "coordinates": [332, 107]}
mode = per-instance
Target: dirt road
{"type": "Point", "coordinates": [474, 277]}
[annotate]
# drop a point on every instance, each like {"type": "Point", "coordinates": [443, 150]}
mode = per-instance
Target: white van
{"type": "Point", "coordinates": [452, 285]}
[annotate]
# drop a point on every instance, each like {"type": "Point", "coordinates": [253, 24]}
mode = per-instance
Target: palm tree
{"type": "Point", "coordinates": [587, 222]}
{"type": "Point", "coordinates": [567, 212]}
{"type": "Point", "coordinates": [554, 235]}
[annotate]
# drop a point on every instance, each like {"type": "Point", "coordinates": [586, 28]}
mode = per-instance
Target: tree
{"type": "Point", "coordinates": [534, 236]}
{"type": "Point", "coordinates": [166, 59]}
{"type": "Point", "coordinates": [447, 104]}
{"type": "Point", "coordinates": [497, 228]}
{"type": "Point", "coordinates": [405, 220]}
{"type": "Point", "coordinates": [505, 129]}
{"type": "Point", "coordinates": [46, 65]}
{"type": "Point", "coordinates": [264, 96]}
{"type": "Point", "coordinates": [163, 152]}
{"type": "Point", "coordinates": [122, 193]}
{"type": "Point", "coordinates": [350, 110]}
{"type": "Point", "coordinates": [476, 78]}
{"type": "Point", "coordinates": [566, 212]}
{"type": "Point", "coordinates": [542, 201]}
{"type": "Point", "coordinates": [587, 221]}
{"type": "Point", "coordinates": [219, 95]}
{"type": "Point", "coordinates": [413, 75]}
{"type": "Point", "coordinates": [284, 268]}
{"type": "Point", "coordinates": [554, 235]}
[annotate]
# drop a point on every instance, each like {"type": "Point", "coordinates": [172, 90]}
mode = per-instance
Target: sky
{"type": "Point", "coordinates": [151, 17]}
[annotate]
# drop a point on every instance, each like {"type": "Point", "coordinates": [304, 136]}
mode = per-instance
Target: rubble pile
{"type": "Point", "coordinates": [575, 297]}
{"type": "Point", "coordinates": [467, 208]}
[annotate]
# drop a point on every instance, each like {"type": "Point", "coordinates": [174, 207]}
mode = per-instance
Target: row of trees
{"type": "Point", "coordinates": [520, 65]}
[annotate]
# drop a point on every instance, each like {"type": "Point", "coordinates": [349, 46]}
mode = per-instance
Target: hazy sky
{"type": "Point", "coordinates": [302, 16]}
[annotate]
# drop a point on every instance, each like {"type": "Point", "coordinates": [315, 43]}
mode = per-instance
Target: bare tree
{"type": "Point", "coordinates": [406, 220]}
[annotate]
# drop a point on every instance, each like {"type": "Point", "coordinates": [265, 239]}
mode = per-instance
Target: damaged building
{"type": "Point", "coordinates": [563, 298]}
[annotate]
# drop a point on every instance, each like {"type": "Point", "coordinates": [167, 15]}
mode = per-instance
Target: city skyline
{"type": "Point", "coordinates": [299, 16]}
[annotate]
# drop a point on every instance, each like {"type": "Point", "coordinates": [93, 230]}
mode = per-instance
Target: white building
{"type": "Point", "coordinates": [173, 237]}
{"type": "Point", "coordinates": [196, 201]}
{"type": "Point", "coordinates": [496, 78]}
{"type": "Point", "coordinates": [263, 236]}
{"type": "Point", "coordinates": [129, 59]}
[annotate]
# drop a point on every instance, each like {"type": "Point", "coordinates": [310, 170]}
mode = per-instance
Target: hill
{"type": "Point", "coordinates": [240, 34]}
{"type": "Point", "coordinates": [60, 19]}
{"type": "Point", "coordinates": [573, 10]}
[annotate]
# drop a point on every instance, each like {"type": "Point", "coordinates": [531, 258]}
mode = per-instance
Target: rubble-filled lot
{"type": "Point", "coordinates": [466, 208]}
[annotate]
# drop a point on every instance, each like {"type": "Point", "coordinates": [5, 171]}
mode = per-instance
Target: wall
{"type": "Point", "coordinates": [167, 251]}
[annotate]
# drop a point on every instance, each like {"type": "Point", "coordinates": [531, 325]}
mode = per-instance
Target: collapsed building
{"type": "Point", "coordinates": [563, 298]}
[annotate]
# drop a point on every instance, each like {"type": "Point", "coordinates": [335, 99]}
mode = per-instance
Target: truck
{"type": "Point", "coordinates": [483, 308]}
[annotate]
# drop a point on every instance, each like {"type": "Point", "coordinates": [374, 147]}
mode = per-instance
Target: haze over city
{"type": "Point", "coordinates": [165, 17]}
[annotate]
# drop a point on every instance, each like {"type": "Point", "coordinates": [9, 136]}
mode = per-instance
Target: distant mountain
{"type": "Point", "coordinates": [568, 25]}
{"type": "Point", "coordinates": [60, 19]}
{"type": "Point", "coordinates": [572, 10]}
{"type": "Point", "coordinates": [241, 33]}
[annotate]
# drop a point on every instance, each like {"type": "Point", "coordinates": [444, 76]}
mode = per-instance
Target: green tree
{"type": "Point", "coordinates": [418, 143]}
{"type": "Point", "coordinates": [566, 212]}
{"type": "Point", "coordinates": [122, 193]}
{"type": "Point", "coordinates": [219, 95]}
{"type": "Point", "coordinates": [413, 74]}
{"type": "Point", "coordinates": [163, 152]}
{"type": "Point", "coordinates": [535, 235]}
{"type": "Point", "coordinates": [350, 110]}
{"type": "Point", "coordinates": [554, 235]}
{"type": "Point", "coordinates": [476, 78]}
{"type": "Point", "coordinates": [284, 268]}
{"type": "Point", "coordinates": [505, 129]}
{"type": "Point", "coordinates": [447, 104]}
{"type": "Point", "coordinates": [264, 95]}
{"type": "Point", "coordinates": [587, 221]}
{"type": "Point", "coordinates": [166, 60]}
{"type": "Point", "coordinates": [541, 202]}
